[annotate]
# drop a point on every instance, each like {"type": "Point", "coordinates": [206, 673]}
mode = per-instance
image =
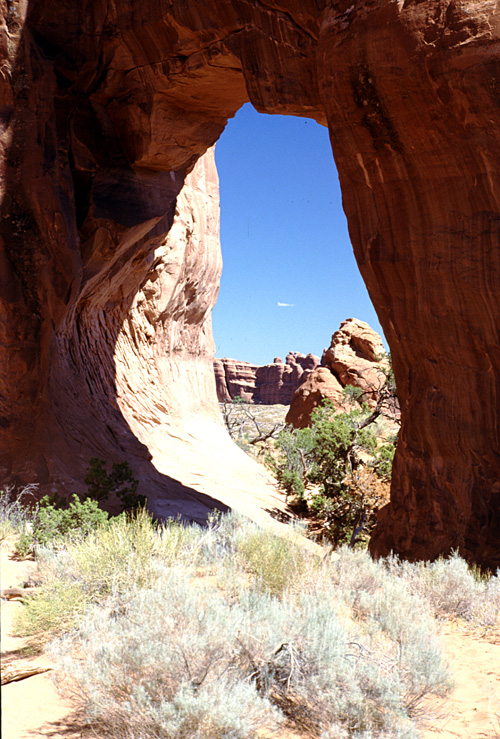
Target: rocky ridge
{"type": "Point", "coordinates": [267, 384]}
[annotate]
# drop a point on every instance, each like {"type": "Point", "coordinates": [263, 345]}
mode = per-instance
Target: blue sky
{"type": "Point", "coordinates": [289, 275]}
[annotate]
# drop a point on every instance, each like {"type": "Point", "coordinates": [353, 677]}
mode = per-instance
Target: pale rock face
{"type": "Point", "coordinates": [354, 356]}
{"type": "Point", "coordinates": [105, 108]}
{"type": "Point", "coordinates": [166, 342]}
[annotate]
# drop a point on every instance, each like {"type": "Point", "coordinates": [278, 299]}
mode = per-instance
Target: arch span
{"type": "Point", "coordinates": [107, 108]}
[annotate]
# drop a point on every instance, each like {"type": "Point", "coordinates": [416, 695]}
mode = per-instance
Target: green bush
{"type": "Point", "coordinates": [78, 519]}
{"type": "Point", "coordinates": [330, 455]}
{"type": "Point", "coordinates": [51, 523]}
{"type": "Point", "coordinates": [339, 438]}
{"type": "Point", "coordinates": [53, 518]}
{"type": "Point", "coordinates": [384, 457]}
{"type": "Point", "coordinates": [120, 482]}
{"type": "Point", "coordinates": [295, 459]}
{"type": "Point", "coordinates": [292, 483]}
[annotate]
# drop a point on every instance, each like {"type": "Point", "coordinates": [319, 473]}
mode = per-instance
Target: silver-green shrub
{"type": "Point", "coordinates": [452, 589]}
{"type": "Point", "coordinates": [206, 640]}
{"type": "Point", "coordinates": [166, 664]}
{"type": "Point", "coordinates": [15, 515]}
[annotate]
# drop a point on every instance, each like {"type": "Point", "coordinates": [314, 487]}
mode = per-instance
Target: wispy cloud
{"type": "Point", "coordinates": [285, 305]}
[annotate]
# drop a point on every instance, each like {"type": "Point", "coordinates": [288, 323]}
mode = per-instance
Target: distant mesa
{"type": "Point", "coordinates": [268, 384]}
{"type": "Point", "coordinates": [303, 381]}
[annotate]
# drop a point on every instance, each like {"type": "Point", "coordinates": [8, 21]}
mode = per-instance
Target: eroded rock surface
{"type": "Point", "coordinates": [268, 384]}
{"type": "Point", "coordinates": [105, 108]}
{"type": "Point", "coordinates": [356, 357]}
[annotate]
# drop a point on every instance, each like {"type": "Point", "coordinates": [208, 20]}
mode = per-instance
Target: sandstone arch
{"type": "Point", "coordinates": [106, 107]}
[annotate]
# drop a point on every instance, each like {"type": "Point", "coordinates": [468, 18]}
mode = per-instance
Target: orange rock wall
{"type": "Point", "coordinates": [104, 109]}
{"type": "Point", "coordinates": [268, 383]}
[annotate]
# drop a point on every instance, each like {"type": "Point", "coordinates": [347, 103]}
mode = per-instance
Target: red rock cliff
{"type": "Point", "coordinates": [268, 384]}
{"type": "Point", "coordinates": [104, 109]}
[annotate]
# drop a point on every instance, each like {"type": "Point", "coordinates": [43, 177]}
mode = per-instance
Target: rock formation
{"type": "Point", "coordinates": [234, 379]}
{"type": "Point", "coordinates": [319, 386]}
{"type": "Point", "coordinates": [104, 109]}
{"type": "Point", "coordinates": [353, 358]}
{"type": "Point", "coordinates": [268, 384]}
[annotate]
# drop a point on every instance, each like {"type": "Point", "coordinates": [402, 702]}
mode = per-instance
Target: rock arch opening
{"type": "Point", "coordinates": [104, 112]}
{"type": "Point", "coordinates": [289, 277]}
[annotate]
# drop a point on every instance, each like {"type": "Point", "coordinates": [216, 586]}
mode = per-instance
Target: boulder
{"type": "Point", "coordinates": [354, 358]}
{"type": "Point", "coordinates": [320, 385]}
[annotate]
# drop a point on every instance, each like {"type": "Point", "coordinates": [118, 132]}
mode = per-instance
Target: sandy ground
{"type": "Point", "coordinates": [32, 707]}
{"type": "Point", "coordinates": [472, 710]}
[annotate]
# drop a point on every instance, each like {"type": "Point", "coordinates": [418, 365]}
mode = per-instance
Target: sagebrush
{"type": "Point", "coordinates": [231, 630]}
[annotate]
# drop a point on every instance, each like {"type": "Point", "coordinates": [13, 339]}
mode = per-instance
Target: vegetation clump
{"type": "Point", "coordinates": [253, 427]}
{"type": "Point", "coordinates": [120, 482]}
{"type": "Point", "coordinates": [54, 518]}
{"type": "Point", "coordinates": [221, 631]}
{"type": "Point", "coordinates": [340, 460]}
{"type": "Point", "coordinates": [232, 631]}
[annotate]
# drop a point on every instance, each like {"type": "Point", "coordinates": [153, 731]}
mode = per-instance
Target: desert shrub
{"type": "Point", "coordinates": [51, 610]}
{"type": "Point", "coordinates": [294, 462]}
{"type": "Point", "coordinates": [453, 589]}
{"type": "Point", "coordinates": [277, 563]}
{"type": "Point", "coordinates": [226, 630]}
{"type": "Point", "coordinates": [82, 569]}
{"type": "Point", "coordinates": [120, 482]}
{"type": "Point", "coordinates": [52, 523]}
{"type": "Point", "coordinates": [155, 666]}
{"type": "Point", "coordinates": [339, 438]}
{"type": "Point", "coordinates": [383, 459]}
{"type": "Point", "coordinates": [168, 667]}
{"type": "Point", "coordinates": [15, 511]}
{"type": "Point", "coordinates": [78, 519]}
{"type": "Point", "coordinates": [382, 600]}
{"type": "Point", "coordinates": [291, 482]}
{"type": "Point", "coordinates": [350, 515]}
{"type": "Point", "coordinates": [112, 558]}
{"type": "Point", "coordinates": [340, 456]}
{"type": "Point", "coordinates": [128, 552]}
{"type": "Point", "coordinates": [54, 518]}
{"type": "Point", "coordinates": [251, 425]}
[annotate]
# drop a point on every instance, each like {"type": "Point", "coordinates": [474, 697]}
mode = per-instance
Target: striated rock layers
{"type": "Point", "coordinates": [104, 110]}
{"type": "Point", "coordinates": [353, 358]}
{"type": "Point", "coordinates": [269, 384]}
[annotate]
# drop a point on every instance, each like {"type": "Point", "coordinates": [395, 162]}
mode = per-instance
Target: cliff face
{"type": "Point", "coordinates": [268, 384]}
{"type": "Point", "coordinates": [104, 109]}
